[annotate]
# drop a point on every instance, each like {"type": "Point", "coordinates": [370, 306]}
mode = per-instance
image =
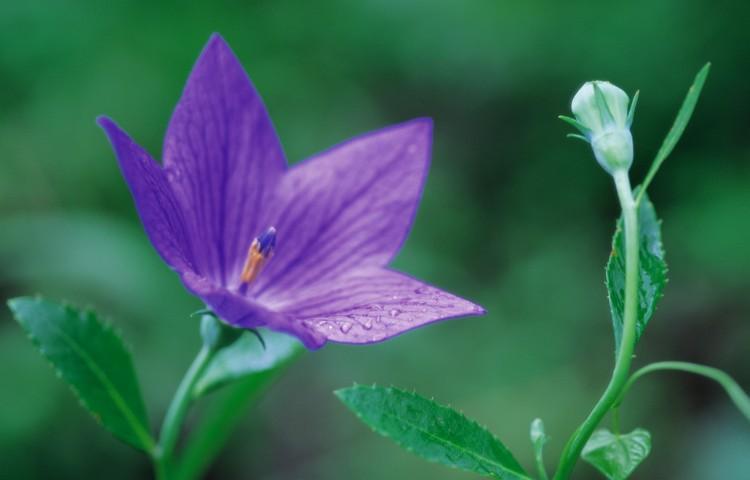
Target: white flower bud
{"type": "Point", "coordinates": [587, 109]}
{"type": "Point", "coordinates": [602, 115]}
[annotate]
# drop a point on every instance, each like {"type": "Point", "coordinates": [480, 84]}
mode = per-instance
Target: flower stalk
{"type": "Point", "coordinates": [619, 378]}
{"type": "Point", "coordinates": [175, 417]}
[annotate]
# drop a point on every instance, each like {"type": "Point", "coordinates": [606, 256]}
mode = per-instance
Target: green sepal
{"type": "Point", "coordinates": [575, 124]}
{"type": "Point", "coordinates": [92, 359]}
{"type": "Point", "coordinates": [579, 137]}
{"type": "Point", "coordinates": [602, 106]}
{"type": "Point", "coordinates": [617, 456]}
{"type": "Point", "coordinates": [434, 432]}
{"type": "Point", "coordinates": [216, 334]}
{"type": "Point", "coordinates": [631, 110]}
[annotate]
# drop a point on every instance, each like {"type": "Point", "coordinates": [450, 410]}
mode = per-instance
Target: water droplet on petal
{"type": "Point", "coordinates": [345, 327]}
{"type": "Point", "coordinates": [422, 290]}
{"type": "Point", "coordinates": [325, 324]}
{"type": "Point", "coordinates": [367, 323]}
{"type": "Point", "coordinates": [394, 312]}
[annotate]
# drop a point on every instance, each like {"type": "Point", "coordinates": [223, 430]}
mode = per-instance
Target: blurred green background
{"type": "Point", "coordinates": [514, 216]}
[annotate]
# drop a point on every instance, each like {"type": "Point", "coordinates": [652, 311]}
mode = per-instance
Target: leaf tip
{"type": "Point", "coordinates": [344, 394]}
{"type": "Point", "coordinates": [13, 303]}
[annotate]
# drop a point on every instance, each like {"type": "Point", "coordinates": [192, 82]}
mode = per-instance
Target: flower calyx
{"type": "Point", "coordinates": [217, 334]}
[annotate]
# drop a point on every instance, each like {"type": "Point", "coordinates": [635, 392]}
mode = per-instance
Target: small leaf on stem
{"type": "Point", "coordinates": [652, 271]}
{"type": "Point", "coordinates": [617, 456]}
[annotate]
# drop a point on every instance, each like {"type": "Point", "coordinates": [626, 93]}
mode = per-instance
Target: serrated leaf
{"type": "Point", "coordinates": [617, 456]}
{"type": "Point", "coordinates": [245, 357]}
{"type": "Point", "coordinates": [432, 431]}
{"type": "Point", "coordinates": [90, 356]}
{"type": "Point", "coordinates": [652, 271]}
{"type": "Point", "coordinates": [679, 125]}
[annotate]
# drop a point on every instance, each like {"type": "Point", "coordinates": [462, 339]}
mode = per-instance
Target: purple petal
{"type": "Point", "coordinates": [224, 161]}
{"type": "Point", "coordinates": [347, 208]}
{"type": "Point", "coordinates": [372, 305]}
{"type": "Point", "coordinates": [161, 215]}
{"type": "Point", "coordinates": [243, 312]}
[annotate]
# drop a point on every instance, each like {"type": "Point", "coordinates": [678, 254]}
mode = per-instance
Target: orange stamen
{"type": "Point", "coordinates": [253, 264]}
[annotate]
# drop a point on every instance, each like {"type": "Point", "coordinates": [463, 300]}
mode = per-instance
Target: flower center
{"type": "Point", "coordinates": [258, 254]}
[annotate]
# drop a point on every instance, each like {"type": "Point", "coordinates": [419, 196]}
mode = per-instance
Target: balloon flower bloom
{"type": "Point", "coordinates": [300, 249]}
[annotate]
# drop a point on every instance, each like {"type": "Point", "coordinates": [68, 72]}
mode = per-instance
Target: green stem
{"type": "Point", "coordinates": [217, 423]}
{"type": "Point", "coordinates": [540, 467]}
{"type": "Point", "coordinates": [170, 430]}
{"type": "Point", "coordinates": [735, 392]}
{"type": "Point", "coordinates": [160, 469]}
{"type": "Point", "coordinates": [616, 417]}
{"type": "Point", "coordinates": [575, 444]}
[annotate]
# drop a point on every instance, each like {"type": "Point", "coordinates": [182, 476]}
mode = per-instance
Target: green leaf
{"type": "Point", "coordinates": [223, 413]}
{"type": "Point", "coordinates": [652, 276]}
{"type": "Point", "coordinates": [92, 359]}
{"type": "Point", "coordinates": [432, 431]}
{"type": "Point", "coordinates": [538, 439]}
{"type": "Point", "coordinates": [678, 127]}
{"type": "Point", "coordinates": [617, 456]}
{"type": "Point", "coordinates": [247, 356]}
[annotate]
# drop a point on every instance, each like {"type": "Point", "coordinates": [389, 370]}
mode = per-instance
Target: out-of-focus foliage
{"type": "Point", "coordinates": [514, 216]}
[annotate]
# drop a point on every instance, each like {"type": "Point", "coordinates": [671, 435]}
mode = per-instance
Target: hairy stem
{"type": "Point", "coordinates": [735, 392]}
{"type": "Point", "coordinates": [178, 408]}
{"type": "Point", "coordinates": [620, 373]}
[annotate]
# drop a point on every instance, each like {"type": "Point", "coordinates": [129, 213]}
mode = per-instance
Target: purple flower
{"type": "Point", "coordinates": [301, 249]}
